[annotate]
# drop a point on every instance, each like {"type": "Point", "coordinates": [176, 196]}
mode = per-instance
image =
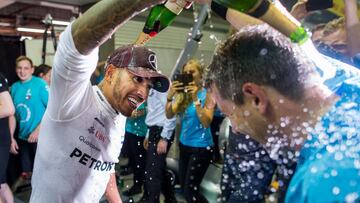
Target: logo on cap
{"type": "Point", "coordinates": [152, 60]}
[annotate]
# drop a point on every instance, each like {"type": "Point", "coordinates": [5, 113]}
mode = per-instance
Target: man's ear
{"type": "Point", "coordinates": [257, 96]}
{"type": "Point", "coordinates": [109, 73]}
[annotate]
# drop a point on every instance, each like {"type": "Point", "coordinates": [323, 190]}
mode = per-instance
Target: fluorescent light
{"type": "Point", "coordinates": [59, 22]}
{"type": "Point", "coordinates": [5, 24]}
{"type": "Point", "coordinates": [25, 38]}
{"type": "Point", "coordinates": [24, 29]}
{"type": "Point", "coordinates": [74, 9]}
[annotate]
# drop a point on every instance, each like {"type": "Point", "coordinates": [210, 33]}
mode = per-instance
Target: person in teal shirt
{"type": "Point", "coordinates": [30, 96]}
{"type": "Point", "coordinates": [135, 132]}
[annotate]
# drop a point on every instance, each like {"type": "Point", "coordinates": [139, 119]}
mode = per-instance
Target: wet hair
{"type": "Point", "coordinates": [42, 69]}
{"type": "Point", "coordinates": [22, 58]}
{"type": "Point", "coordinates": [261, 55]}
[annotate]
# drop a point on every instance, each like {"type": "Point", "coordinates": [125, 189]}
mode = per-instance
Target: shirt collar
{"type": "Point", "coordinates": [106, 105]}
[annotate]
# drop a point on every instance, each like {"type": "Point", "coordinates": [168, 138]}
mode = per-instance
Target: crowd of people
{"type": "Point", "coordinates": [290, 125]}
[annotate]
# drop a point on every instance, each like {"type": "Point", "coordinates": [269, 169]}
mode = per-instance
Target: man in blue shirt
{"type": "Point", "coordinates": [270, 91]}
{"type": "Point", "coordinates": [30, 95]}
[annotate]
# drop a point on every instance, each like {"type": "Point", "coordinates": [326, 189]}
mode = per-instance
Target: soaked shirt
{"type": "Point", "coordinates": [81, 135]}
{"type": "Point", "coordinates": [329, 163]}
{"type": "Point", "coordinates": [247, 170]}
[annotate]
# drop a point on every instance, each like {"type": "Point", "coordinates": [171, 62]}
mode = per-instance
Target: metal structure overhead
{"type": "Point", "coordinates": [31, 13]}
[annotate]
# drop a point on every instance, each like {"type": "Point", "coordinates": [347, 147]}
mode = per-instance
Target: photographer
{"type": "Point", "coordinates": [195, 108]}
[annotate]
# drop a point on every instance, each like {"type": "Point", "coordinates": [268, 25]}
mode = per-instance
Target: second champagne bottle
{"type": "Point", "coordinates": [160, 17]}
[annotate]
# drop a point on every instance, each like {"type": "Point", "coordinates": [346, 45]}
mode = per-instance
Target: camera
{"type": "Point", "coordinates": [313, 5]}
{"type": "Point", "coordinates": [184, 78]}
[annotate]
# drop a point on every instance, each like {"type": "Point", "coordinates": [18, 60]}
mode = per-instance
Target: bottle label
{"type": "Point", "coordinates": [143, 38]}
{"type": "Point", "coordinates": [176, 7]}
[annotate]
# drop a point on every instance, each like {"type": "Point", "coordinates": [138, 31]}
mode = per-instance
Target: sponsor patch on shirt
{"type": "Point", "coordinates": [93, 163]}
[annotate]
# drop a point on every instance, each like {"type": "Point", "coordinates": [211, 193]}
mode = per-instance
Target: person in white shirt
{"type": "Point", "coordinates": [157, 143]}
{"type": "Point", "coordinates": [83, 128]}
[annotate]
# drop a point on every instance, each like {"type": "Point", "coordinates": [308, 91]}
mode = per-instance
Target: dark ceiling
{"type": "Point", "coordinates": [30, 13]}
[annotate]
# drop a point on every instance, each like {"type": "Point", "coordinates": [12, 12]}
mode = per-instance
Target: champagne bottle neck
{"type": "Point", "coordinates": [299, 35]}
{"type": "Point", "coordinates": [280, 19]}
{"type": "Point", "coordinates": [272, 13]}
{"type": "Point", "coordinates": [142, 38]}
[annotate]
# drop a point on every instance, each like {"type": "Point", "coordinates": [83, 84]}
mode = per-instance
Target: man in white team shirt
{"type": "Point", "coordinates": [83, 128]}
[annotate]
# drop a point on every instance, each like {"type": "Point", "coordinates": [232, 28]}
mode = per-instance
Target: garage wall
{"type": "Point", "coordinates": [34, 48]}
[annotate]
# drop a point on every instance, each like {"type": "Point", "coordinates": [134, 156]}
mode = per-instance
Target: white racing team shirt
{"type": "Point", "coordinates": [81, 134]}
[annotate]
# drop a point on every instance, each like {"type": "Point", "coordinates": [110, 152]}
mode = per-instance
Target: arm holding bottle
{"type": "Point", "coordinates": [96, 25]}
{"type": "Point", "coordinates": [271, 13]}
{"type": "Point", "coordinates": [234, 17]}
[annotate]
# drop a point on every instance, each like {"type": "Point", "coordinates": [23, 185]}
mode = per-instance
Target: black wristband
{"type": "Point", "coordinates": [165, 139]}
{"type": "Point", "coordinates": [219, 9]}
{"type": "Point", "coordinates": [313, 5]}
{"type": "Point", "coordinates": [261, 9]}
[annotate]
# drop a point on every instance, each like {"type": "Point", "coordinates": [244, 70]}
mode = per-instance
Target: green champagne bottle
{"type": "Point", "coordinates": [160, 17]}
{"type": "Point", "coordinates": [241, 5]}
{"type": "Point", "coordinates": [272, 14]}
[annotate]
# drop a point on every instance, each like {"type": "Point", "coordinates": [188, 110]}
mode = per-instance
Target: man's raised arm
{"type": "Point", "coordinates": [98, 23]}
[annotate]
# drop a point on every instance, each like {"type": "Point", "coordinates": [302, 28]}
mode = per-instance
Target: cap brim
{"type": "Point", "coordinates": [161, 82]}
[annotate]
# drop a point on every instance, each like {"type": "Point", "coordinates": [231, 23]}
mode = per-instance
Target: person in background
{"type": "Point", "coordinates": [196, 108]}
{"type": "Point", "coordinates": [7, 110]}
{"type": "Point", "coordinates": [30, 95]}
{"type": "Point", "coordinates": [285, 107]}
{"type": "Point", "coordinates": [135, 132]}
{"type": "Point", "coordinates": [157, 144]}
{"type": "Point", "coordinates": [215, 132]}
{"type": "Point", "coordinates": [43, 71]}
